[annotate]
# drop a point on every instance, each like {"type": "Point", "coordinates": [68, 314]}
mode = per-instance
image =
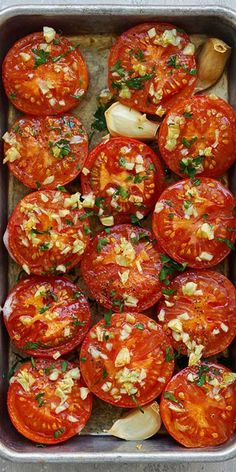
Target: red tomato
{"type": "Point", "coordinates": [47, 232]}
{"type": "Point", "coordinates": [45, 316]}
{"type": "Point", "coordinates": [126, 176]}
{"type": "Point", "coordinates": [123, 360]}
{"type": "Point", "coordinates": [47, 402]}
{"type": "Point", "coordinates": [44, 152]}
{"type": "Point", "coordinates": [198, 405]}
{"type": "Point", "coordinates": [122, 268]}
{"type": "Point", "coordinates": [149, 68]}
{"type": "Point", "coordinates": [43, 78]}
{"type": "Point", "coordinates": [194, 222]}
{"type": "Point", "coordinates": [195, 135]}
{"type": "Point", "coordinates": [199, 310]}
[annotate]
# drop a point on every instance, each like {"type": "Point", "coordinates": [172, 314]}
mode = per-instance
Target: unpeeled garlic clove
{"type": "Point", "coordinates": [137, 426]}
{"type": "Point", "coordinates": [124, 121]}
{"type": "Point", "coordinates": [211, 63]}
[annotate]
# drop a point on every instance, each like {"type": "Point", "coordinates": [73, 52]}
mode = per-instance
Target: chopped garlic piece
{"type": "Point", "coordinates": [107, 220]}
{"type": "Point", "coordinates": [190, 288]}
{"type": "Point", "coordinates": [83, 393]}
{"type": "Point", "coordinates": [152, 33]}
{"type": "Point", "coordinates": [124, 276]}
{"type": "Point", "coordinates": [205, 231]}
{"type": "Point", "coordinates": [224, 327]}
{"type": "Point", "coordinates": [123, 357]}
{"type": "Point", "coordinates": [48, 180]}
{"type": "Point", "coordinates": [49, 34]}
{"type": "Point", "coordinates": [158, 207]}
{"type": "Point", "coordinates": [129, 300]}
{"type": "Point", "coordinates": [85, 171]}
{"type": "Point", "coordinates": [25, 379]}
{"type": "Point", "coordinates": [189, 50]}
{"type": "Point", "coordinates": [204, 256]}
{"type": "Point", "coordinates": [56, 355]}
{"type": "Point", "coordinates": [161, 316]}
{"type": "Point", "coordinates": [26, 57]}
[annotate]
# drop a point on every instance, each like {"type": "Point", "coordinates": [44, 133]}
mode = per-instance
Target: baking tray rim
{"type": "Point", "coordinates": [183, 455]}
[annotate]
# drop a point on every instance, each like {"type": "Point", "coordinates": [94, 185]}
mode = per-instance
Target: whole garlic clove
{"type": "Point", "coordinates": [137, 426]}
{"type": "Point", "coordinates": [124, 121]}
{"type": "Point", "coordinates": [211, 63]}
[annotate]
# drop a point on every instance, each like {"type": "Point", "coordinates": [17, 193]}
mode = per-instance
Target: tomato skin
{"type": "Point", "coordinates": [40, 423]}
{"type": "Point", "coordinates": [103, 265]}
{"type": "Point", "coordinates": [213, 122]}
{"type": "Point", "coordinates": [207, 311]}
{"type": "Point", "coordinates": [136, 56]}
{"type": "Point", "coordinates": [147, 346]}
{"type": "Point", "coordinates": [210, 203]}
{"type": "Point", "coordinates": [205, 420]}
{"type": "Point", "coordinates": [40, 90]}
{"type": "Point", "coordinates": [47, 332]}
{"type": "Point", "coordinates": [106, 173]}
{"type": "Point", "coordinates": [34, 137]}
{"type": "Point", "coordinates": [32, 218]}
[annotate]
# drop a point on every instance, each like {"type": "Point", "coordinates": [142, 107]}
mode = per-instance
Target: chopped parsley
{"type": "Point", "coordinates": [168, 291]}
{"type": "Point", "coordinates": [171, 216]}
{"type": "Point", "coordinates": [134, 220]}
{"type": "Point", "coordinates": [205, 216]}
{"type": "Point", "coordinates": [12, 95]}
{"type": "Point", "coordinates": [44, 246]}
{"type": "Point", "coordinates": [118, 69]}
{"type": "Point", "coordinates": [172, 62]}
{"type": "Point", "coordinates": [86, 215]}
{"type": "Point", "coordinates": [61, 56]}
{"type": "Point", "coordinates": [64, 366]}
{"type": "Point", "coordinates": [202, 372]}
{"type": "Point", "coordinates": [41, 57]}
{"type": "Point", "coordinates": [169, 268]}
{"type": "Point", "coordinates": [139, 326]}
{"type": "Point", "coordinates": [137, 82]}
{"type": "Point", "coordinates": [104, 374]}
{"type": "Point", "coordinates": [36, 231]}
{"type": "Point", "coordinates": [102, 242]}
{"type": "Point", "coordinates": [69, 222]}
{"type": "Point", "coordinates": [227, 242]}
{"type": "Point", "coordinates": [76, 322]}
{"type": "Point", "coordinates": [107, 317]}
{"type": "Point", "coordinates": [60, 148]}
{"type": "Point", "coordinates": [44, 308]}
{"type": "Point", "coordinates": [99, 123]}
{"type": "Point", "coordinates": [122, 192]}
{"type": "Point", "coordinates": [58, 433]}
{"type": "Point", "coordinates": [170, 396]}
{"type": "Point", "coordinates": [39, 398]}
{"type": "Point", "coordinates": [138, 179]}
{"type": "Point", "coordinates": [61, 188]}
{"type": "Point", "coordinates": [122, 161]}
{"type": "Point", "coordinates": [83, 359]}
{"type": "Point", "coordinates": [87, 229]}
{"type": "Point", "coordinates": [170, 355]}
{"type": "Point", "coordinates": [134, 399]}
{"type": "Point", "coordinates": [31, 345]}
{"type": "Point", "coordinates": [188, 115]}
{"type": "Point", "coordinates": [76, 295]}
{"type": "Point", "coordinates": [191, 166]}
{"type": "Point", "coordinates": [188, 143]}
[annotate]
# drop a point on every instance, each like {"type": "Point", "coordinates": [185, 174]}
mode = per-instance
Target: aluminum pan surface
{"type": "Point", "coordinates": [14, 23]}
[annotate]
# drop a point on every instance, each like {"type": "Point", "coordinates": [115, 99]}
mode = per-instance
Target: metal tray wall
{"type": "Point", "coordinates": [15, 23]}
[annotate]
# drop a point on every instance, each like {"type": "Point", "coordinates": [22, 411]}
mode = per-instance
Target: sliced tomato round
{"type": "Point", "coordinates": [48, 402]}
{"type": "Point", "coordinates": [46, 316]}
{"type": "Point", "coordinates": [151, 66]}
{"type": "Point", "coordinates": [126, 176]}
{"type": "Point", "coordinates": [122, 268]}
{"type": "Point", "coordinates": [46, 152]}
{"type": "Point", "coordinates": [198, 313]}
{"type": "Point", "coordinates": [47, 232]}
{"type": "Point", "coordinates": [198, 405]}
{"type": "Point", "coordinates": [123, 360]}
{"type": "Point", "coordinates": [198, 136]}
{"type": "Point", "coordinates": [194, 222]}
{"type": "Point", "coordinates": [44, 76]}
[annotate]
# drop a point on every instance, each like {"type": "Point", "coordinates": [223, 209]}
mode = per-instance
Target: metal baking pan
{"type": "Point", "coordinates": [105, 23]}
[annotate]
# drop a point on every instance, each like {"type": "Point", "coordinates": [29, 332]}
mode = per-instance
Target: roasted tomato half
{"type": "Point", "coordinates": [44, 74]}
{"type": "Point", "coordinates": [46, 152]}
{"type": "Point", "coordinates": [46, 316]}
{"type": "Point", "coordinates": [151, 66]}
{"type": "Point", "coordinates": [194, 222]}
{"type": "Point", "coordinates": [198, 313]}
{"type": "Point", "coordinates": [198, 136]}
{"type": "Point", "coordinates": [123, 360]}
{"type": "Point", "coordinates": [198, 405]}
{"type": "Point", "coordinates": [122, 268]}
{"type": "Point", "coordinates": [126, 177]}
{"type": "Point", "coordinates": [47, 232]}
{"type": "Point", "coordinates": [48, 402]}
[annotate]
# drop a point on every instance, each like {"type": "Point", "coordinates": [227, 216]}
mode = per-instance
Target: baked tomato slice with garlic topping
{"type": "Point", "coordinates": [198, 136]}
{"type": "Point", "coordinates": [44, 74]}
{"type": "Point", "coordinates": [122, 268]}
{"type": "Point", "coordinates": [48, 402]}
{"type": "Point", "coordinates": [47, 232]}
{"type": "Point", "coordinates": [198, 313]}
{"type": "Point", "coordinates": [125, 176]}
{"type": "Point", "coordinates": [198, 405]}
{"type": "Point", "coordinates": [151, 66]}
{"type": "Point", "coordinates": [46, 316]}
{"type": "Point", "coordinates": [123, 360]}
{"type": "Point", "coordinates": [194, 222]}
{"type": "Point", "coordinates": [45, 152]}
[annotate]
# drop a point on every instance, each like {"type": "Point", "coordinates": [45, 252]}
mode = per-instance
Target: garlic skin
{"type": "Point", "coordinates": [211, 63]}
{"type": "Point", "coordinates": [137, 426]}
{"type": "Point", "coordinates": [124, 121]}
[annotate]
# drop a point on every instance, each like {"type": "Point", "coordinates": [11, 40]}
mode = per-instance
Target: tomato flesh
{"type": "Point", "coordinates": [46, 152]}
{"type": "Point", "coordinates": [47, 402]}
{"type": "Point", "coordinates": [149, 68]}
{"type": "Point", "coordinates": [198, 136]}
{"type": "Point", "coordinates": [124, 362]}
{"type": "Point", "coordinates": [43, 78]}
{"type": "Point", "coordinates": [198, 406]}
{"type": "Point", "coordinates": [194, 222]}
{"type": "Point", "coordinates": [45, 315]}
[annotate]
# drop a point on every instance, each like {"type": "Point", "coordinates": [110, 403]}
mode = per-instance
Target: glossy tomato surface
{"type": "Point", "coordinates": [123, 360]}
{"type": "Point", "coordinates": [199, 310]}
{"type": "Point", "coordinates": [46, 152]}
{"type": "Point", "coordinates": [46, 233]}
{"type": "Point", "coordinates": [151, 66]}
{"type": "Point", "coordinates": [198, 405]}
{"type": "Point", "coordinates": [43, 78]}
{"type": "Point", "coordinates": [198, 136]}
{"type": "Point", "coordinates": [122, 268]}
{"type": "Point", "coordinates": [126, 176]}
{"type": "Point", "coordinates": [46, 315]}
{"type": "Point", "coordinates": [194, 222]}
{"type": "Point", "coordinates": [48, 402]}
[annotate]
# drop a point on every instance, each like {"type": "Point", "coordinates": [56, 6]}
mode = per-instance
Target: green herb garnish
{"type": "Point", "coordinates": [39, 399]}
{"type": "Point", "coordinates": [41, 57]}
{"type": "Point", "coordinates": [102, 242]}
{"type": "Point", "coordinates": [227, 242]}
